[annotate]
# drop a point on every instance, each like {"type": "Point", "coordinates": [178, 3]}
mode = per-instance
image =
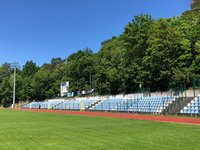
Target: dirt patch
{"type": "Point", "coordinates": [182, 120]}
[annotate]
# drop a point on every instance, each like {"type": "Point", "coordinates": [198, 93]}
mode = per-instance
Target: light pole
{"type": "Point", "coordinates": [15, 65]}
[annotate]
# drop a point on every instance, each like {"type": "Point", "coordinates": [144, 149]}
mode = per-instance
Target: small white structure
{"type": "Point", "coordinates": [64, 86]}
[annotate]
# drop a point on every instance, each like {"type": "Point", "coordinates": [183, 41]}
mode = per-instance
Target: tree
{"type": "Point", "coordinates": [42, 84]}
{"type": "Point", "coordinates": [162, 53]}
{"type": "Point", "coordinates": [5, 86]}
{"type": "Point", "coordinates": [29, 69]}
{"type": "Point", "coordinates": [110, 66]}
{"type": "Point", "coordinates": [195, 5]}
{"type": "Point", "coordinates": [5, 92]}
{"type": "Point", "coordinates": [136, 36]}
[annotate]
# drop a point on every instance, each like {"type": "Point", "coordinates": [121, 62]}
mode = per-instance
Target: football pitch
{"type": "Point", "coordinates": [22, 130]}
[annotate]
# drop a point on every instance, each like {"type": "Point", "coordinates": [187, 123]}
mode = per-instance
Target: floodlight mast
{"type": "Point", "coordinates": [14, 83]}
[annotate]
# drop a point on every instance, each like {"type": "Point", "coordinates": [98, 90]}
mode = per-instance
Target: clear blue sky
{"type": "Point", "coordinates": [40, 30]}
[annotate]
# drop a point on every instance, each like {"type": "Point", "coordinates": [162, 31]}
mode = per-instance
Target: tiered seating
{"type": "Point", "coordinates": [51, 104]}
{"type": "Point", "coordinates": [143, 104]}
{"type": "Point", "coordinates": [63, 104]}
{"type": "Point", "coordinates": [193, 107]}
{"type": "Point", "coordinates": [112, 104]}
{"type": "Point", "coordinates": [151, 104]}
{"type": "Point", "coordinates": [109, 104]}
{"type": "Point", "coordinates": [76, 104]}
{"type": "Point", "coordinates": [44, 105]}
{"type": "Point", "coordinates": [120, 103]}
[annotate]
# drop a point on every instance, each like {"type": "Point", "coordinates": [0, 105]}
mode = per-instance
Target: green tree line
{"type": "Point", "coordinates": [153, 53]}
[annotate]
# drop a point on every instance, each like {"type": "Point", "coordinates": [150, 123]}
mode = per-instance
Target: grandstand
{"type": "Point", "coordinates": [120, 103]}
{"type": "Point", "coordinates": [151, 105]}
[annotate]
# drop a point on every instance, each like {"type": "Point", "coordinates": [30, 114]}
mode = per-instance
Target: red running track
{"type": "Point", "coordinates": [182, 120]}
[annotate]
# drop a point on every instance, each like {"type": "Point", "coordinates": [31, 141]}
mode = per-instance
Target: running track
{"type": "Point", "coordinates": [182, 120]}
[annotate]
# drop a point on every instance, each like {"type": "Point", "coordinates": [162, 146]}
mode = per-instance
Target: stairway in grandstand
{"type": "Point", "coordinates": [93, 104]}
{"type": "Point", "coordinates": [176, 106]}
{"type": "Point", "coordinates": [57, 105]}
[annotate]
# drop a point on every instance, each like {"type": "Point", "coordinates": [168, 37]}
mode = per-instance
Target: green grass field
{"type": "Point", "coordinates": [21, 130]}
